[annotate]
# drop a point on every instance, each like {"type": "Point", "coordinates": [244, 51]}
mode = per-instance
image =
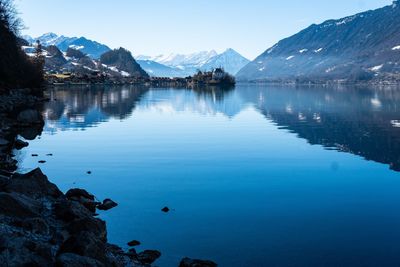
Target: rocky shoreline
{"type": "Point", "coordinates": [39, 224]}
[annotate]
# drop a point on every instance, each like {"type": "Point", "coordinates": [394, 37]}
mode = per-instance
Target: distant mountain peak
{"type": "Point", "coordinates": [188, 64]}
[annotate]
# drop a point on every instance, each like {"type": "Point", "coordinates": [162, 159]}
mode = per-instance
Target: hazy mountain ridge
{"type": "Point", "coordinates": [180, 65]}
{"type": "Point", "coordinates": [364, 46]}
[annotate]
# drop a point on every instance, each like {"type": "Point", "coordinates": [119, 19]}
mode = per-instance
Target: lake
{"type": "Point", "coordinates": [259, 175]}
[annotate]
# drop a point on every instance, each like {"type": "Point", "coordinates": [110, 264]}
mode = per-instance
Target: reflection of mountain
{"type": "Point", "coordinates": [210, 101]}
{"type": "Point", "coordinates": [87, 106]}
{"type": "Point", "coordinates": [362, 122]}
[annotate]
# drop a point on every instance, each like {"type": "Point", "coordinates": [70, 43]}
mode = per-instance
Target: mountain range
{"type": "Point", "coordinates": [181, 65]}
{"type": "Point", "coordinates": [364, 46]}
{"type": "Point", "coordinates": [171, 65]}
{"type": "Point", "coordinates": [92, 48]}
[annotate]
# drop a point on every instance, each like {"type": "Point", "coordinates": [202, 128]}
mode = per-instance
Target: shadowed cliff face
{"type": "Point", "coordinates": [361, 121]}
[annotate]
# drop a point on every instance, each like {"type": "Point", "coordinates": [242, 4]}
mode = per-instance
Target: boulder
{"type": "Point", "coordinates": [133, 243]}
{"type": "Point", "coordinates": [85, 244]}
{"type": "Point", "coordinates": [16, 205]}
{"type": "Point", "coordinates": [4, 142]}
{"type": "Point", "coordinates": [76, 194]}
{"type": "Point", "coordinates": [74, 260]}
{"type": "Point", "coordinates": [19, 144]}
{"type": "Point", "coordinates": [29, 116]}
{"type": "Point", "coordinates": [36, 225]}
{"type": "Point", "coordinates": [70, 210]}
{"type": "Point", "coordinates": [187, 262]}
{"type": "Point", "coordinates": [17, 250]}
{"type": "Point", "coordinates": [148, 256]}
{"type": "Point", "coordinates": [4, 181]}
{"type": "Point", "coordinates": [107, 204]}
{"type": "Point", "coordinates": [89, 224]}
{"type": "Point", "coordinates": [31, 132]}
{"type": "Point", "coordinates": [34, 184]}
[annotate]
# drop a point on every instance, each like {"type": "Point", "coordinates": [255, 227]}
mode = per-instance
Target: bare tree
{"type": "Point", "coordinates": [9, 16]}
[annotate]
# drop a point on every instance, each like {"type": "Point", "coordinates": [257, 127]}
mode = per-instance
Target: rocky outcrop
{"type": "Point", "coordinates": [121, 60]}
{"type": "Point", "coordinates": [41, 226]}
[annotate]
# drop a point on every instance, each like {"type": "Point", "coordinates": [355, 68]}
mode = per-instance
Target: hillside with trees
{"type": "Point", "coordinates": [16, 69]}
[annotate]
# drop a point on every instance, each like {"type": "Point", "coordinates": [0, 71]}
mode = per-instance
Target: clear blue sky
{"type": "Point", "coordinates": [155, 27]}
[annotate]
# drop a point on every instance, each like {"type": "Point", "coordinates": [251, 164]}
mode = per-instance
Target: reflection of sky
{"type": "Point", "coordinates": [240, 179]}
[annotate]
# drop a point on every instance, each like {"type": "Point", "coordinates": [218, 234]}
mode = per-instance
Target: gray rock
{"type": "Point", "coordinates": [4, 142]}
{"type": "Point", "coordinates": [187, 262]}
{"type": "Point", "coordinates": [89, 224]}
{"type": "Point", "coordinates": [17, 205]}
{"type": "Point", "coordinates": [70, 210]}
{"type": "Point", "coordinates": [133, 243]}
{"type": "Point", "coordinates": [85, 244]}
{"type": "Point", "coordinates": [148, 256]}
{"type": "Point", "coordinates": [31, 132]}
{"type": "Point", "coordinates": [36, 225]}
{"type": "Point", "coordinates": [19, 144]}
{"type": "Point", "coordinates": [77, 193]}
{"type": "Point", "coordinates": [107, 204]}
{"type": "Point", "coordinates": [74, 260]}
{"type": "Point", "coordinates": [29, 116]}
{"type": "Point", "coordinates": [34, 184]}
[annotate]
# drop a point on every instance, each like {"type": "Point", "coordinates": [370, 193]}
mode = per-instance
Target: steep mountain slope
{"type": "Point", "coordinates": [92, 48]}
{"type": "Point", "coordinates": [360, 47]}
{"type": "Point", "coordinates": [230, 60]}
{"type": "Point", "coordinates": [121, 60]}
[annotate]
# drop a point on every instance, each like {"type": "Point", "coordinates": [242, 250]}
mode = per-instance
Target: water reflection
{"type": "Point", "coordinates": [82, 107]}
{"type": "Point", "coordinates": [361, 121]}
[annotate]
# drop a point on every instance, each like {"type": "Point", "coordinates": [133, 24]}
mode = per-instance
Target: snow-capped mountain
{"type": "Point", "coordinates": [180, 65]}
{"type": "Point", "coordinates": [184, 62]}
{"type": "Point", "coordinates": [364, 46]}
{"type": "Point", "coordinates": [92, 48]}
{"type": "Point", "coordinates": [230, 60]}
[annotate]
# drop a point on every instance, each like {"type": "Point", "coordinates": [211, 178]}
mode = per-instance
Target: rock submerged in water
{"type": "Point", "coordinates": [187, 262]}
{"type": "Point", "coordinates": [133, 243]}
{"type": "Point", "coordinates": [165, 209]}
{"type": "Point", "coordinates": [107, 204]}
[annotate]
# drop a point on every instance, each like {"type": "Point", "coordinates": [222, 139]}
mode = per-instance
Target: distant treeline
{"type": "Point", "coordinates": [16, 69]}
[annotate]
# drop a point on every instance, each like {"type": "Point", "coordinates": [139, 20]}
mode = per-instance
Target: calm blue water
{"type": "Point", "coordinates": [255, 176]}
